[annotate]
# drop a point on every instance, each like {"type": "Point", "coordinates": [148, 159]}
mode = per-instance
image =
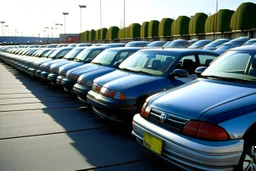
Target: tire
{"type": "Point", "coordinates": [248, 158]}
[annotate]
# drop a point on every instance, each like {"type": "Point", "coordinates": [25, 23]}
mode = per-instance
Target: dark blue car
{"type": "Point", "coordinates": [120, 94]}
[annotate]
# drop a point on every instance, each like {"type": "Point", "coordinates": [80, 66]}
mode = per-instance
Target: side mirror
{"type": "Point", "coordinates": [88, 60]}
{"type": "Point", "coordinates": [179, 73]}
{"type": "Point", "coordinates": [116, 64]}
{"type": "Point", "coordinates": [200, 70]}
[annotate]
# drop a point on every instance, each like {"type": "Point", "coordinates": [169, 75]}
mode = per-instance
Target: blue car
{"type": "Point", "coordinates": [207, 124]}
{"type": "Point", "coordinates": [117, 96]}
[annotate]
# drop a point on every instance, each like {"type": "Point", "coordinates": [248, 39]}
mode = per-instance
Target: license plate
{"type": "Point", "coordinates": [153, 143]}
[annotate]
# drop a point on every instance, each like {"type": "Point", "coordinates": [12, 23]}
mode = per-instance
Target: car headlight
{"type": "Point", "coordinates": [112, 94]}
{"type": "Point", "coordinates": [96, 87]}
{"type": "Point", "coordinates": [89, 83]}
{"type": "Point", "coordinates": [145, 110]}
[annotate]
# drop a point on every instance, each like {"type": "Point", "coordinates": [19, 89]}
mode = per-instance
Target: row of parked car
{"type": "Point", "coordinates": [189, 106]}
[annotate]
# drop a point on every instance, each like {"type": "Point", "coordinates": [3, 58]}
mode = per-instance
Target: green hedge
{"type": "Point", "coordinates": [121, 33]}
{"type": "Point", "coordinates": [103, 33]}
{"type": "Point", "coordinates": [244, 17]}
{"type": "Point", "coordinates": [165, 27]}
{"type": "Point", "coordinates": [223, 20]}
{"type": "Point", "coordinates": [144, 30]}
{"type": "Point", "coordinates": [135, 30]}
{"type": "Point", "coordinates": [92, 34]}
{"type": "Point", "coordinates": [86, 35]}
{"type": "Point", "coordinates": [112, 33]}
{"type": "Point", "coordinates": [153, 28]}
{"type": "Point", "coordinates": [197, 23]}
{"type": "Point", "coordinates": [180, 25]}
{"type": "Point", "coordinates": [97, 34]}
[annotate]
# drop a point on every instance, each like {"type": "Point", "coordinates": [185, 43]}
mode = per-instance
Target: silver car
{"type": "Point", "coordinates": [207, 124]}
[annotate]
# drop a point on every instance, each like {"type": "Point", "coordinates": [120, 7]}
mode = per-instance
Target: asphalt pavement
{"type": "Point", "coordinates": [46, 129]}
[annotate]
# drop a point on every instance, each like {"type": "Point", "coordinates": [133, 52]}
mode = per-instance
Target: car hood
{"type": "Point", "coordinates": [55, 66]}
{"type": "Point", "coordinates": [198, 98]}
{"type": "Point", "coordinates": [95, 73]}
{"type": "Point", "coordinates": [63, 69]}
{"type": "Point", "coordinates": [121, 80]}
{"type": "Point", "coordinates": [46, 65]}
{"type": "Point", "coordinates": [83, 69]}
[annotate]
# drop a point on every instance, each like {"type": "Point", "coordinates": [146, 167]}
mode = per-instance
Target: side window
{"type": "Point", "coordinates": [205, 60]}
{"type": "Point", "coordinates": [188, 63]}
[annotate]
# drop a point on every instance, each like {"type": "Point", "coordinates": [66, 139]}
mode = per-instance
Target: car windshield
{"type": "Point", "coordinates": [233, 66]}
{"type": "Point", "coordinates": [87, 53]}
{"type": "Point", "coordinates": [73, 53]}
{"type": "Point", "coordinates": [148, 62]}
{"type": "Point", "coordinates": [105, 58]}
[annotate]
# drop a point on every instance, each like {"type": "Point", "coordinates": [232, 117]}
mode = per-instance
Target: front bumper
{"type": "Point", "coordinates": [112, 109]}
{"type": "Point", "coordinates": [38, 73]}
{"type": "Point", "coordinates": [190, 153]}
{"type": "Point", "coordinates": [68, 84]}
{"type": "Point", "coordinates": [81, 91]}
{"type": "Point", "coordinates": [59, 80]}
{"type": "Point", "coordinates": [32, 71]}
{"type": "Point", "coordinates": [52, 78]}
{"type": "Point", "coordinates": [44, 75]}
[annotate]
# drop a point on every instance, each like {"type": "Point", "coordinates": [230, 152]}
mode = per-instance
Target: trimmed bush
{"type": "Point", "coordinates": [223, 20]}
{"type": "Point", "coordinates": [112, 33]}
{"type": "Point", "coordinates": [97, 34]}
{"type": "Point", "coordinates": [153, 28]}
{"type": "Point", "coordinates": [244, 17]}
{"type": "Point", "coordinates": [121, 33]}
{"type": "Point", "coordinates": [135, 30]}
{"type": "Point", "coordinates": [92, 34]}
{"type": "Point", "coordinates": [103, 33]}
{"type": "Point", "coordinates": [144, 29]}
{"type": "Point", "coordinates": [197, 23]}
{"type": "Point", "coordinates": [180, 25]}
{"type": "Point", "coordinates": [165, 27]}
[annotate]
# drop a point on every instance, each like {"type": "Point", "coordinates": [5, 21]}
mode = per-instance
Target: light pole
{"type": "Point", "coordinates": [124, 19]}
{"type": "Point", "coordinates": [81, 20]}
{"type": "Point", "coordinates": [6, 30]}
{"type": "Point", "coordinates": [61, 27]}
{"type": "Point", "coordinates": [2, 22]}
{"type": "Point", "coordinates": [57, 29]}
{"type": "Point", "coordinates": [216, 20]}
{"type": "Point", "coordinates": [100, 16]}
{"type": "Point", "coordinates": [65, 13]}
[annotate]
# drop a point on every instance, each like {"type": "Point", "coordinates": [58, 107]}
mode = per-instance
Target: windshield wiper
{"type": "Point", "coordinates": [126, 69]}
{"type": "Point", "coordinates": [98, 63]}
{"type": "Point", "coordinates": [143, 72]}
{"type": "Point", "coordinates": [78, 60]}
{"type": "Point", "coordinates": [237, 80]}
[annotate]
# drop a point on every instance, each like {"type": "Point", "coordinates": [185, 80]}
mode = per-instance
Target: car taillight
{"type": "Point", "coordinates": [204, 130]}
{"type": "Point", "coordinates": [145, 110]}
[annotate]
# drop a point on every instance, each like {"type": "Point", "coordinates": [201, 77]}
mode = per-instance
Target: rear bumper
{"type": "Point", "coordinates": [190, 153]}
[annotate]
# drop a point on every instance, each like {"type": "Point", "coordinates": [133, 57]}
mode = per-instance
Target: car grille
{"type": "Point", "coordinates": [172, 122]}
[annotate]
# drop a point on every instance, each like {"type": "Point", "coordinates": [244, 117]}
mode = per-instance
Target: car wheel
{"type": "Point", "coordinates": [248, 158]}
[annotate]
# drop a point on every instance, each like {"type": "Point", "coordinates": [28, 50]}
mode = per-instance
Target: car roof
{"type": "Point", "coordinates": [181, 50]}
{"type": "Point", "coordinates": [245, 48]}
{"type": "Point", "coordinates": [125, 48]}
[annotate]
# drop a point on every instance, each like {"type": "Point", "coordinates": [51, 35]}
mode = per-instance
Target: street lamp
{"type": "Point", "coordinates": [100, 16]}
{"type": "Point", "coordinates": [124, 18]}
{"type": "Point", "coordinates": [65, 13]}
{"type": "Point", "coordinates": [6, 30]}
{"type": "Point", "coordinates": [61, 27]}
{"type": "Point", "coordinates": [81, 21]}
{"type": "Point", "coordinates": [2, 22]}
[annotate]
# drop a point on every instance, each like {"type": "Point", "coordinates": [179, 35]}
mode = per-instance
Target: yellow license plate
{"type": "Point", "coordinates": [153, 143]}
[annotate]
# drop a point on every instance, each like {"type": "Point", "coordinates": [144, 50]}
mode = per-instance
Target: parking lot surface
{"type": "Point", "coordinates": [45, 129]}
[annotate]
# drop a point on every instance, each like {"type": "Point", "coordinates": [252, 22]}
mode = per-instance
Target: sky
{"type": "Point", "coordinates": [39, 18]}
